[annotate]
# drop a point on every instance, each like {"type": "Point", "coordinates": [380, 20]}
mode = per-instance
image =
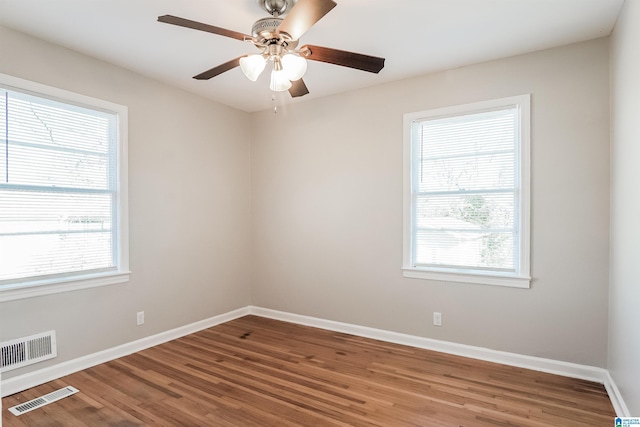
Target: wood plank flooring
{"type": "Point", "coordinates": [259, 372]}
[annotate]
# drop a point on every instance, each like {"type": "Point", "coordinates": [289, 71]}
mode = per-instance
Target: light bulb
{"type": "Point", "coordinates": [252, 66]}
{"type": "Point", "coordinates": [279, 81]}
{"type": "Point", "coordinates": [295, 66]}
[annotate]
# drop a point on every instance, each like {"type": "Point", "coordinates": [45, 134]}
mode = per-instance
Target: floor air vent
{"type": "Point", "coordinates": [43, 400]}
{"type": "Point", "coordinates": [27, 350]}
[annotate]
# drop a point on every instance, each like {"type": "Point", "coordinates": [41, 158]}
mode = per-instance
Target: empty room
{"type": "Point", "coordinates": [318, 212]}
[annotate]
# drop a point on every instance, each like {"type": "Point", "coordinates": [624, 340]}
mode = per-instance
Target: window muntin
{"type": "Point", "coordinates": [62, 187]}
{"type": "Point", "coordinates": [466, 192]}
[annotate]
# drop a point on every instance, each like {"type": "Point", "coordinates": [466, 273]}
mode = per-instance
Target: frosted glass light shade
{"type": "Point", "coordinates": [279, 81]}
{"type": "Point", "coordinates": [295, 66]}
{"type": "Point", "coordinates": [252, 66]}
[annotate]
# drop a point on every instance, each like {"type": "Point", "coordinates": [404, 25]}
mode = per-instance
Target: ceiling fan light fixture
{"type": "Point", "coordinates": [279, 81]}
{"type": "Point", "coordinates": [252, 66]}
{"type": "Point", "coordinates": [295, 66]}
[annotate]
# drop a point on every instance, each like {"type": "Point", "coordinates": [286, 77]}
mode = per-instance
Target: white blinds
{"type": "Point", "coordinates": [57, 188]}
{"type": "Point", "coordinates": [464, 191]}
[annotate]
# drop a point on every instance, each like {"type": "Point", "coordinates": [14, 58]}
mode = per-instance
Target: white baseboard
{"type": "Point", "coordinates": [573, 370]}
{"type": "Point", "coordinates": [41, 376]}
{"type": "Point", "coordinates": [616, 398]}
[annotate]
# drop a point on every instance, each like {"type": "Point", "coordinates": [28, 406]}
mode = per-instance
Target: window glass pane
{"type": "Point", "coordinates": [484, 211]}
{"type": "Point", "coordinates": [456, 249]}
{"type": "Point", "coordinates": [47, 254]}
{"type": "Point", "coordinates": [56, 144]}
{"type": "Point", "coordinates": [483, 171]}
{"type": "Point", "coordinates": [33, 165]}
{"type": "Point", "coordinates": [55, 124]}
{"type": "Point", "coordinates": [32, 211]}
{"type": "Point", "coordinates": [469, 133]}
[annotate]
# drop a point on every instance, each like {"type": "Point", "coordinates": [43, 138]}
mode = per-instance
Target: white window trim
{"type": "Point", "coordinates": [521, 280]}
{"type": "Point", "coordinates": [52, 285]}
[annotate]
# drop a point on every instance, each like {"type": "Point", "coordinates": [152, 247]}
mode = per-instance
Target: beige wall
{"type": "Point", "coordinates": [189, 206]}
{"type": "Point", "coordinates": [624, 328]}
{"type": "Point", "coordinates": [327, 209]}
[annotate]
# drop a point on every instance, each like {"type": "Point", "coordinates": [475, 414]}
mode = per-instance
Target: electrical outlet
{"type": "Point", "coordinates": [437, 318]}
{"type": "Point", "coordinates": [140, 318]}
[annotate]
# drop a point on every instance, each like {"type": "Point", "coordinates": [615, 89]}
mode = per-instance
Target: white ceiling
{"type": "Point", "coordinates": [415, 36]}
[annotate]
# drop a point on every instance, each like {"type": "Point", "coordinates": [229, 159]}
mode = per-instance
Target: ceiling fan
{"type": "Point", "coordinates": [277, 39]}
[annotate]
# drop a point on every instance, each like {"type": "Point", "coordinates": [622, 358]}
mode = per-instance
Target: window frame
{"type": "Point", "coordinates": [519, 279]}
{"type": "Point", "coordinates": [38, 286]}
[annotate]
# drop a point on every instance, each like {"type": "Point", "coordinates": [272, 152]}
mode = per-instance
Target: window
{"type": "Point", "coordinates": [466, 201]}
{"type": "Point", "coordinates": [63, 211]}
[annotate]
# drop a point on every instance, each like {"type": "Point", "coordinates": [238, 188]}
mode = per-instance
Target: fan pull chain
{"type": "Point", "coordinates": [275, 106]}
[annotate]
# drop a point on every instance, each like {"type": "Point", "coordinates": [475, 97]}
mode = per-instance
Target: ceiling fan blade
{"type": "Point", "coordinates": [219, 69]}
{"type": "Point", "coordinates": [304, 15]}
{"type": "Point", "coordinates": [372, 64]}
{"type": "Point", "coordinates": [298, 88]}
{"type": "Point", "coordinates": [182, 22]}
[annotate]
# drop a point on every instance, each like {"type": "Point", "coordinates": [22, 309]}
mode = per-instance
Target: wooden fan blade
{"type": "Point", "coordinates": [372, 64]}
{"type": "Point", "coordinates": [182, 22]}
{"type": "Point", "coordinates": [298, 88]}
{"type": "Point", "coordinates": [304, 15]}
{"type": "Point", "coordinates": [219, 69]}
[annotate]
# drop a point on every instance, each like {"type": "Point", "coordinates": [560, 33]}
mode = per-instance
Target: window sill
{"type": "Point", "coordinates": [36, 288]}
{"type": "Point", "coordinates": [479, 279]}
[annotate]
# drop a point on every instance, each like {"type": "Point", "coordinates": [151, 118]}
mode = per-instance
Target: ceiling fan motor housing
{"type": "Point", "coordinates": [265, 32]}
{"type": "Point", "coordinates": [265, 28]}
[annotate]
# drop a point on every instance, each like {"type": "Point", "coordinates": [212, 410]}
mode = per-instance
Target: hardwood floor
{"type": "Point", "coordinates": [259, 372]}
